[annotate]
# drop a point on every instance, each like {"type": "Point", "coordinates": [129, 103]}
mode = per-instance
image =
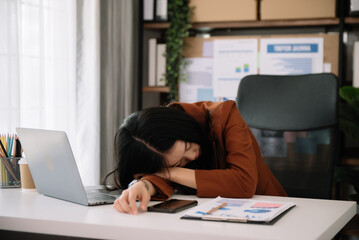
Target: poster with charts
{"type": "Point", "coordinates": [198, 84]}
{"type": "Point", "coordinates": [291, 56]}
{"type": "Point", "coordinates": [233, 59]}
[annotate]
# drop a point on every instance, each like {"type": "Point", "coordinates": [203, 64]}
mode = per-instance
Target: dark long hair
{"type": "Point", "coordinates": [146, 135]}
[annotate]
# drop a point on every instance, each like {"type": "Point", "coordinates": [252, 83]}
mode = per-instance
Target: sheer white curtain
{"type": "Point", "coordinates": [9, 67]}
{"type": "Point", "coordinates": [49, 72]}
{"type": "Point", "coordinates": [88, 90]}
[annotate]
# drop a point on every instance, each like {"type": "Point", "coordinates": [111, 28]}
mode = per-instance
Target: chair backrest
{"type": "Point", "coordinates": [294, 119]}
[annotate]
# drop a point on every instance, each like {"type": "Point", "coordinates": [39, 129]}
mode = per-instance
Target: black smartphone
{"type": "Point", "coordinates": [172, 206]}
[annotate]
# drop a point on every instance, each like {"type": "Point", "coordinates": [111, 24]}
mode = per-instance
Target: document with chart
{"type": "Point", "coordinates": [238, 210]}
{"type": "Point", "coordinates": [233, 59]}
{"type": "Point", "coordinates": [198, 85]}
{"type": "Point", "coordinates": [291, 56]}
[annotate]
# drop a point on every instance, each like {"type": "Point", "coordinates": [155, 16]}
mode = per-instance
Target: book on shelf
{"type": "Point", "coordinates": [161, 65]}
{"type": "Point", "coordinates": [155, 10]}
{"type": "Point", "coordinates": [356, 65]}
{"type": "Point", "coordinates": [161, 10]}
{"type": "Point", "coordinates": [148, 10]}
{"type": "Point", "coordinates": [152, 52]}
{"type": "Point", "coordinates": [156, 63]}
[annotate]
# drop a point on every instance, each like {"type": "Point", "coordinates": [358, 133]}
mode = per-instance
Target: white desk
{"type": "Point", "coordinates": [32, 212]}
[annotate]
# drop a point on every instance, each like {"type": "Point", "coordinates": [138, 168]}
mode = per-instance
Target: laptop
{"type": "Point", "coordinates": [54, 170]}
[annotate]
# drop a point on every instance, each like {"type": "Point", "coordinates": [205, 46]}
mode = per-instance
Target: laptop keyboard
{"type": "Point", "coordinates": [98, 197]}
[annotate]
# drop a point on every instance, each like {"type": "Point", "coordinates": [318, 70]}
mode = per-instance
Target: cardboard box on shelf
{"type": "Point", "coordinates": [224, 10]}
{"type": "Point", "coordinates": [294, 9]}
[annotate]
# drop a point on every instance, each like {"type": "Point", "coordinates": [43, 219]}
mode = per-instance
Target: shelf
{"type": "Point", "coordinates": [258, 24]}
{"type": "Point", "coordinates": [156, 25]}
{"type": "Point", "coordinates": [348, 161]}
{"type": "Point", "coordinates": [352, 20]}
{"type": "Point", "coordinates": [350, 157]}
{"type": "Point", "coordinates": [269, 23]}
{"type": "Point", "coordinates": [156, 89]}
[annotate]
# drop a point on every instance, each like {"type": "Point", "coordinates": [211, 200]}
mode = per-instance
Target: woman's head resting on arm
{"type": "Point", "coordinates": [154, 139]}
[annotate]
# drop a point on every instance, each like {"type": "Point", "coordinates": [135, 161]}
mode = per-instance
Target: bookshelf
{"type": "Point", "coordinates": [268, 24]}
{"type": "Point", "coordinates": [342, 24]}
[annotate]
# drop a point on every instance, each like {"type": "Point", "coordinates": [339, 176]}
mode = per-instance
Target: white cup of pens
{"type": "Point", "coordinates": [10, 155]}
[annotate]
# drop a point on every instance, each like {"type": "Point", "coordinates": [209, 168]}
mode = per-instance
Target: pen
{"type": "Point", "coordinates": [216, 208]}
{"type": "Point", "coordinates": [7, 163]}
{"type": "Point", "coordinates": [225, 219]}
{"type": "Point", "coordinates": [3, 149]}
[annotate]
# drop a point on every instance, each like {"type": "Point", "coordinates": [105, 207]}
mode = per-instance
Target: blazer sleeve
{"type": "Point", "coordinates": [240, 177]}
{"type": "Point", "coordinates": [163, 187]}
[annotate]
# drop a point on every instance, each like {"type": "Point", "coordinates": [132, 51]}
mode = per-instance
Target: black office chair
{"type": "Point", "coordinates": [294, 119]}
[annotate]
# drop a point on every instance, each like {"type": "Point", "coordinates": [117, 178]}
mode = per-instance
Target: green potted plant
{"type": "Point", "coordinates": [349, 111]}
{"type": "Point", "coordinates": [179, 15]}
{"type": "Point", "coordinates": [349, 124]}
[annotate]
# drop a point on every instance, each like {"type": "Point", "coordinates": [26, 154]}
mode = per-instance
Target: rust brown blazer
{"type": "Point", "coordinates": [242, 172]}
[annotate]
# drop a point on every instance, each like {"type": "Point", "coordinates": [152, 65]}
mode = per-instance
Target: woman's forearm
{"type": "Point", "coordinates": [183, 176]}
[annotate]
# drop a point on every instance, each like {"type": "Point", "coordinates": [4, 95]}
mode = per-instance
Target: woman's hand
{"type": "Point", "coordinates": [126, 203]}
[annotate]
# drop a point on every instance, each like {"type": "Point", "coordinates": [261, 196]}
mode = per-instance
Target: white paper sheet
{"type": "Point", "coordinates": [198, 86]}
{"type": "Point", "coordinates": [291, 56]}
{"type": "Point", "coordinates": [240, 209]}
{"type": "Point", "coordinates": [232, 60]}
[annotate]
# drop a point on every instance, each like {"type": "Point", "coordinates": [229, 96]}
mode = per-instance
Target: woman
{"type": "Point", "coordinates": [202, 148]}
